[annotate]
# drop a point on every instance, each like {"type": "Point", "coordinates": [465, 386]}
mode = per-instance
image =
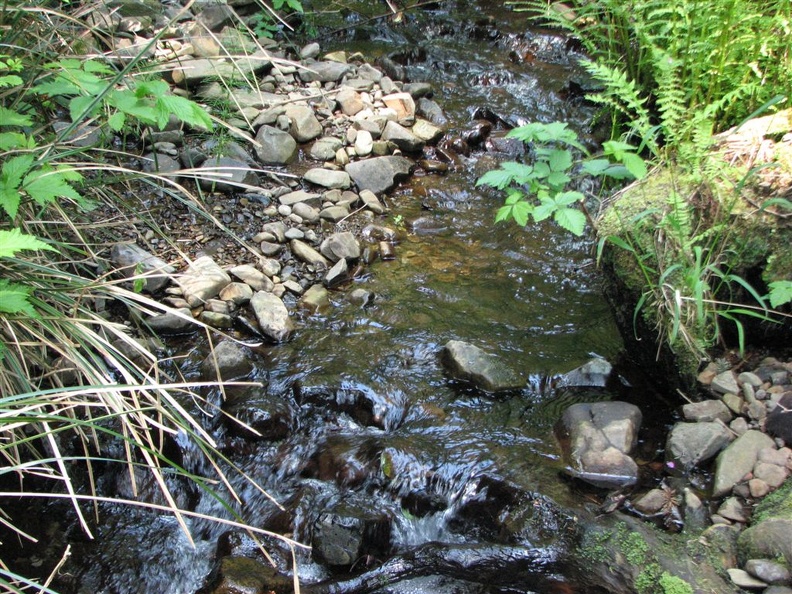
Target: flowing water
{"type": "Point", "coordinates": [377, 424]}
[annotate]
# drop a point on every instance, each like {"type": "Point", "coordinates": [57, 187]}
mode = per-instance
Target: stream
{"type": "Point", "coordinates": [380, 437]}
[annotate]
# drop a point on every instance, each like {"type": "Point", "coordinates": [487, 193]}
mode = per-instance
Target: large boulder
{"type": "Point", "coordinates": [379, 174]}
{"type": "Point", "coordinates": [597, 439]}
{"type": "Point", "coordinates": [275, 147]}
{"type": "Point", "coordinates": [469, 363]}
{"type": "Point", "coordinates": [690, 444]}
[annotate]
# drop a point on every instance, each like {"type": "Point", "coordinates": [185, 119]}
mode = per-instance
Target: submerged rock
{"type": "Point", "coordinates": [350, 530]}
{"type": "Point", "coordinates": [228, 361]}
{"type": "Point", "coordinates": [597, 440]}
{"type": "Point", "coordinates": [469, 363]}
{"type": "Point", "coordinates": [594, 374]}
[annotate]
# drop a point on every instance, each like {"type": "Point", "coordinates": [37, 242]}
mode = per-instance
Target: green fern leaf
{"type": "Point", "coordinates": [14, 299]}
{"type": "Point", "coordinates": [15, 140]}
{"type": "Point", "coordinates": [10, 80]}
{"type": "Point", "coordinates": [780, 293]}
{"type": "Point", "coordinates": [187, 111]}
{"type": "Point", "coordinates": [46, 184]}
{"type": "Point", "coordinates": [9, 117]}
{"type": "Point", "coordinates": [10, 177]}
{"type": "Point", "coordinates": [14, 241]}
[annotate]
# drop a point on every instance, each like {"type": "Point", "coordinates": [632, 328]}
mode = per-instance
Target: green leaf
{"type": "Point", "coordinates": [521, 211]}
{"type": "Point", "coordinates": [497, 178]}
{"type": "Point", "coordinates": [187, 111]}
{"type": "Point", "coordinates": [595, 167]}
{"type": "Point", "coordinates": [14, 299]}
{"type": "Point", "coordinates": [14, 140]}
{"type": "Point", "coordinates": [10, 178]}
{"type": "Point", "coordinates": [571, 219]}
{"type": "Point", "coordinates": [46, 184]}
{"type": "Point", "coordinates": [151, 88]}
{"type": "Point", "coordinates": [545, 209]}
{"type": "Point", "coordinates": [557, 180]}
{"type": "Point", "coordinates": [780, 293]}
{"type": "Point", "coordinates": [567, 198]}
{"type": "Point", "coordinates": [10, 80]}
{"type": "Point", "coordinates": [116, 121]}
{"type": "Point", "coordinates": [78, 107]}
{"type": "Point", "coordinates": [635, 165]}
{"type": "Point", "coordinates": [9, 117]}
{"type": "Point", "coordinates": [14, 241]}
{"type": "Point", "coordinates": [559, 160]}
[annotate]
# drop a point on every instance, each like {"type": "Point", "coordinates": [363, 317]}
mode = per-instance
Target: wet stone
{"type": "Point", "coordinates": [379, 174]}
{"type": "Point", "coordinates": [348, 531]}
{"type": "Point", "coordinates": [725, 382]}
{"type": "Point", "coordinates": [595, 373]}
{"type": "Point", "coordinates": [339, 246]}
{"type": "Point", "coordinates": [228, 361]}
{"type": "Point", "coordinates": [743, 579]}
{"type": "Point", "coordinates": [315, 299]}
{"type": "Point", "coordinates": [216, 320]}
{"type": "Point", "coordinates": [469, 363]}
{"type": "Point", "coordinates": [180, 321]}
{"type": "Point", "coordinates": [690, 444]}
{"type": "Point", "coordinates": [779, 420]}
{"type": "Point", "coordinates": [706, 410]}
{"type": "Point", "coordinates": [242, 575]}
{"type": "Point", "coordinates": [337, 275]}
{"type": "Point", "coordinates": [768, 571]}
{"type": "Point", "coordinates": [737, 460]}
{"type": "Point", "coordinates": [272, 316]}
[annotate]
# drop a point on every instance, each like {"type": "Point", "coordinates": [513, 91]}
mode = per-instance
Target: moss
{"type": "Point", "coordinates": [777, 504]}
{"type": "Point", "coordinates": [671, 584]}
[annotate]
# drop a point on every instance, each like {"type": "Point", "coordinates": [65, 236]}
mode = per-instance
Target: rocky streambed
{"type": "Point", "coordinates": [407, 363]}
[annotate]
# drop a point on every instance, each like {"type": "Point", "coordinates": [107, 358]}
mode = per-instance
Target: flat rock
{"type": "Point", "coordinates": [328, 178]}
{"type": "Point", "coordinates": [303, 251]}
{"type": "Point", "coordinates": [404, 106]}
{"type": "Point", "coordinates": [469, 363]}
{"type": "Point", "coordinates": [743, 579]}
{"type": "Point", "coordinates": [403, 138]}
{"type": "Point", "coordinates": [203, 280]}
{"type": "Point", "coordinates": [131, 260]}
{"type": "Point", "coordinates": [768, 571]}
{"type": "Point", "coordinates": [293, 198]}
{"type": "Point", "coordinates": [225, 174]}
{"type": "Point", "coordinates": [314, 299]}
{"type": "Point", "coordinates": [327, 71]}
{"type": "Point", "coordinates": [272, 316]}
{"type": "Point", "coordinates": [250, 275]}
{"type": "Point", "coordinates": [379, 174]}
{"type": "Point", "coordinates": [178, 321]}
{"type": "Point", "coordinates": [192, 72]}
{"type": "Point", "coordinates": [706, 410]}
{"type": "Point", "coordinates": [725, 382]}
{"type": "Point", "coordinates": [593, 374]}
{"type": "Point", "coordinates": [737, 460]}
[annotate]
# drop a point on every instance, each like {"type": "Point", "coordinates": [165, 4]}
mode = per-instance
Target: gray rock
{"type": "Point", "coordinates": [371, 201]}
{"type": "Point", "coordinates": [368, 72]}
{"type": "Point", "coordinates": [315, 299]}
{"type": "Point", "coordinates": [303, 251]}
{"type": "Point", "coordinates": [272, 316]}
{"type": "Point", "coordinates": [257, 415]}
{"type": "Point", "coordinates": [228, 361]}
{"type": "Point", "coordinates": [192, 72]}
{"type": "Point", "coordinates": [753, 380]}
{"type": "Point", "coordinates": [237, 293]}
{"type": "Point", "coordinates": [418, 89]}
{"type": "Point", "coordinates": [303, 123]}
{"type": "Point", "coordinates": [334, 214]}
{"type": "Point", "coordinates": [732, 509]}
{"type": "Point", "coordinates": [772, 474]}
{"type": "Point", "coordinates": [306, 212]}
{"type": "Point", "coordinates": [350, 101]}
{"type": "Point", "coordinates": [160, 163]}
{"type": "Point", "coordinates": [203, 280]}
{"type": "Point", "coordinates": [595, 374]}
{"type": "Point", "coordinates": [427, 131]}
{"type": "Point", "coordinates": [348, 531]}
{"type": "Point", "coordinates": [737, 460]}
{"type": "Point", "coordinates": [83, 135]}
{"type": "Point", "coordinates": [337, 275]}
{"type": "Point", "coordinates": [430, 110]}
{"type": "Point", "coordinates": [327, 71]}
{"type": "Point", "coordinates": [179, 321]}
{"type": "Point", "coordinates": [467, 362]}
{"type": "Point", "coordinates": [597, 440]}
{"type": "Point", "coordinates": [769, 539]}
{"type": "Point", "coordinates": [131, 260]}
{"type": "Point", "coordinates": [339, 246]}
{"type": "Point", "coordinates": [402, 138]}
{"type": "Point", "coordinates": [364, 143]}
{"type": "Point", "coordinates": [768, 571]}
{"type": "Point", "coordinates": [310, 51]}
{"type": "Point", "coordinates": [379, 174]}
{"type": "Point", "coordinates": [293, 198]}
{"type": "Point", "coordinates": [253, 277]}
{"type": "Point", "coordinates": [216, 319]}
{"type": "Point", "coordinates": [725, 382]}
{"type": "Point", "coordinates": [328, 178]}
{"type": "Point", "coordinates": [706, 410]}
{"type": "Point", "coordinates": [324, 149]}
{"type": "Point", "coordinates": [779, 420]}
{"type": "Point", "coordinates": [224, 174]}
{"type": "Point", "coordinates": [276, 146]}
{"type": "Point", "coordinates": [778, 590]}
{"type": "Point", "coordinates": [690, 444]}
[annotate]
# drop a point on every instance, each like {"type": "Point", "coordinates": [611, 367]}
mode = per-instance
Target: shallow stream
{"type": "Point", "coordinates": [377, 424]}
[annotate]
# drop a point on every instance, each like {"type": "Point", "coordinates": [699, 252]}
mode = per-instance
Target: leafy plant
{"type": "Point", "coordinates": [541, 190]}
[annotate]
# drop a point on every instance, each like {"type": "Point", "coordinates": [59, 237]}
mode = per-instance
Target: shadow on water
{"type": "Point", "coordinates": [374, 422]}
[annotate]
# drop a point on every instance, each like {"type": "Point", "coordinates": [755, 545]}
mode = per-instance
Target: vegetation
{"type": "Point", "coordinates": [73, 378]}
{"type": "Point", "coordinates": [671, 76]}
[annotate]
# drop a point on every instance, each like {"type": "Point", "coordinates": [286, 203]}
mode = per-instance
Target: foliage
{"type": "Point", "coordinates": [542, 189]}
{"type": "Point", "coordinates": [675, 72]}
{"type": "Point", "coordinates": [265, 23]}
